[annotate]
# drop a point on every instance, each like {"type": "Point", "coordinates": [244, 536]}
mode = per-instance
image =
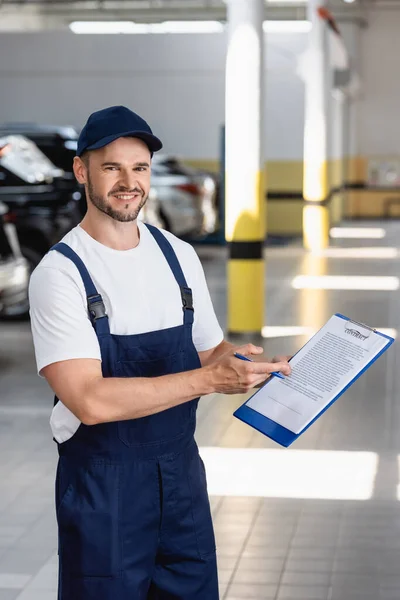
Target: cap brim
{"type": "Point", "coordinates": [152, 141]}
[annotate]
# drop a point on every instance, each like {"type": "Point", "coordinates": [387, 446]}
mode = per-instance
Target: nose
{"type": "Point", "coordinates": [128, 179]}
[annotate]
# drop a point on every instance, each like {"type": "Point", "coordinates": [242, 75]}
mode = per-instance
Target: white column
{"type": "Point", "coordinates": [352, 37]}
{"type": "Point", "coordinates": [245, 186]}
{"type": "Point", "coordinates": [316, 127]}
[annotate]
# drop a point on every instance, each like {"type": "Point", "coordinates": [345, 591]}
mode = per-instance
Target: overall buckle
{"type": "Point", "coordinates": [96, 307]}
{"type": "Point", "coordinates": [187, 298]}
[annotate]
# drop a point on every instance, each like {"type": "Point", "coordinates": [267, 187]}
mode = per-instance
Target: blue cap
{"type": "Point", "coordinates": [109, 124]}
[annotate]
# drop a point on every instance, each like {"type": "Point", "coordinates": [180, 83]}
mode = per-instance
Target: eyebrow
{"type": "Point", "coordinates": [117, 164]}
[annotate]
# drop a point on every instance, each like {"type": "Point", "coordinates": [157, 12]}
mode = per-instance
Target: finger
{"type": "Point", "coordinates": [267, 367]}
{"type": "Point", "coordinates": [282, 367]}
{"type": "Point", "coordinates": [248, 349]}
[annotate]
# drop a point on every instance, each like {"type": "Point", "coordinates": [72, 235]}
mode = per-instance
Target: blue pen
{"type": "Point", "coordinates": [242, 357]}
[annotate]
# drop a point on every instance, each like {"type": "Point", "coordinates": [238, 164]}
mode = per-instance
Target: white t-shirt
{"type": "Point", "coordinates": [140, 294]}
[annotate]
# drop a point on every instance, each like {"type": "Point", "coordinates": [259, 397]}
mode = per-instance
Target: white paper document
{"type": "Point", "coordinates": [320, 371]}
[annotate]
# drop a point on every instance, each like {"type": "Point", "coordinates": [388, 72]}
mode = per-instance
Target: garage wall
{"type": "Point", "coordinates": [175, 82]}
{"type": "Point", "coordinates": [377, 125]}
{"type": "Point", "coordinates": [379, 121]}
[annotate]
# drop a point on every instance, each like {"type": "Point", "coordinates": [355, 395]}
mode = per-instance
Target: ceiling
{"type": "Point", "coordinates": [159, 10]}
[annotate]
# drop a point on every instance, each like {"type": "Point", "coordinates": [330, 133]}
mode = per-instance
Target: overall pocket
{"type": "Point", "coordinates": [161, 426]}
{"type": "Point", "coordinates": [201, 511]}
{"type": "Point", "coordinates": [88, 521]}
{"type": "Point", "coordinates": [155, 367]}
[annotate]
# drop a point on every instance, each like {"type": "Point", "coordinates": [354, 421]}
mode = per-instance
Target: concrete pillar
{"type": "Point", "coordinates": [356, 163]}
{"type": "Point", "coordinates": [245, 203]}
{"type": "Point", "coordinates": [316, 182]}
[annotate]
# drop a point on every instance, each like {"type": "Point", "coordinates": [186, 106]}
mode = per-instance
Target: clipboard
{"type": "Point", "coordinates": [284, 436]}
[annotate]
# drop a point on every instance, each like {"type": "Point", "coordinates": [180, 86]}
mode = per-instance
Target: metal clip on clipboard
{"type": "Point", "coordinates": [362, 325]}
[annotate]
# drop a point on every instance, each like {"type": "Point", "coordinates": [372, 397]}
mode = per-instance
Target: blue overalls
{"type": "Point", "coordinates": [131, 496]}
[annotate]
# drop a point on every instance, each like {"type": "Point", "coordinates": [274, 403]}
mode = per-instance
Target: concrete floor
{"type": "Point", "coordinates": [320, 520]}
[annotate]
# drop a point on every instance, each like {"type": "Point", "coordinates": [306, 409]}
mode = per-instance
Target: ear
{"type": "Point", "coordinates": [80, 170]}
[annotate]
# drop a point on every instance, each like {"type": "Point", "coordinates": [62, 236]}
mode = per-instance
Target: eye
{"type": "Point", "coordinates": [140, 169]}
{"type": "Point", "coordinates": [112, 168]}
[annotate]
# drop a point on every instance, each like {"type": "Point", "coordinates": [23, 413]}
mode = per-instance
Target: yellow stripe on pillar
{"type": "Point", "coordinates": [245, 214]}
{"type": "Point", "coordinates": [246, 295]}
{"type": "Point", "coordinates": [316, 215]}
{"type": "Point", "coordinates": [245, 232]}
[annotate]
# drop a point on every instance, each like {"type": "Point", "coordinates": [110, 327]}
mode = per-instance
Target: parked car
{"type": "Point", "coordinates": [43, 205]}
{"type": "Point", "coordinates": [186, 197]}
{"type": "Point", "coordinates": [58, 143]}
{"type": "Point", "coordinates": [14, 269]}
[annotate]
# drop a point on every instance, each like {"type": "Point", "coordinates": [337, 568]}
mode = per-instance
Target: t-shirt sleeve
{"type": "Point", "coordinates": [60, 324]}
{"type": "Point", "coordinates": [207, 332]}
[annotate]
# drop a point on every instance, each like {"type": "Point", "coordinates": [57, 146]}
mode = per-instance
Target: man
{"type": "Point", "coordinates": [126, 336]}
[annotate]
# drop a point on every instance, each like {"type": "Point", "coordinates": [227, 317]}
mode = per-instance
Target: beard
{"type": "Point", "coordinates": [102, 204]}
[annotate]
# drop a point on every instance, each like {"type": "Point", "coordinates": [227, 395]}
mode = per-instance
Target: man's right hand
{"type": "Point", "coordinates": [231, 375]}
{"type": "Point", "coordinates": [95, 399]}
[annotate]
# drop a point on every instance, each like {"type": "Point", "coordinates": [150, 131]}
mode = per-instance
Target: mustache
{"type": "Point", "coordinates": [135, 190]}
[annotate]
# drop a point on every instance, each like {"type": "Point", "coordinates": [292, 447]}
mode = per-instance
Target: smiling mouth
{"type": "Point", "coordinates": [126, 197]}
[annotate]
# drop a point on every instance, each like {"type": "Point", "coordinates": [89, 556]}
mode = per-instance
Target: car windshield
{"type": "Point", "coordinates": [23, 158]}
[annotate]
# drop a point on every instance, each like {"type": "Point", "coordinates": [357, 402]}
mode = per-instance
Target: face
{"type": "Point", "coordinates": [116, 178]}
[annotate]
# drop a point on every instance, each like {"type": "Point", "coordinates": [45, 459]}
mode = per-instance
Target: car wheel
{"type": "Point", "coordinates": [20, 311]}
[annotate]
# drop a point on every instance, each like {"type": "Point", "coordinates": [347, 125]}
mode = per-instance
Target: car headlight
{"type": "Point", "coordinates": [209, 184]}
{"type": "Point", "coordinates": [19, 274]}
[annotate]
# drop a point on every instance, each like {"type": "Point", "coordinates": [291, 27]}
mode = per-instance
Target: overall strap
{"type": "Point", "coordinates": [95, 304]}
{"type": "Point", "coordinates": [169, 253]}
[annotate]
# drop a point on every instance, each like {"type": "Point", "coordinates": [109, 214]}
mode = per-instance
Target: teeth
{"type": "Point", "coordinates": [126, 197]}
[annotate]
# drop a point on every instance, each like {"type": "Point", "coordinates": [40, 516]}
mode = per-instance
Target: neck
{"type": "Point", "coordinates": [111, 233]}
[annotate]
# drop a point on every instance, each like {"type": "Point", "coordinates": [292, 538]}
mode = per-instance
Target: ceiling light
{"type": "Point", "coordinates": [190, 27]}
{"type": "Point", "coordinates": [126, 27]}
{"type": "Point", "coordinates": [113, 27]}
{"type": "Point", "coordinates": [101, 27]}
